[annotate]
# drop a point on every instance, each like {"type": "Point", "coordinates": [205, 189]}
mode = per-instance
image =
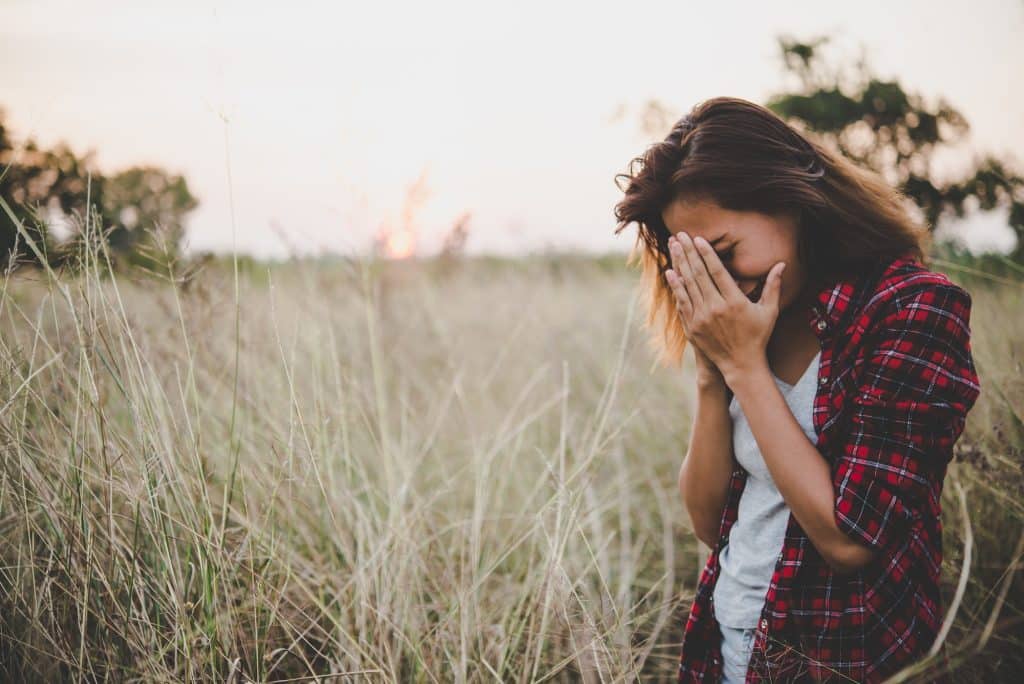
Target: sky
{"type": "Point", "coordinates": [312, 126]}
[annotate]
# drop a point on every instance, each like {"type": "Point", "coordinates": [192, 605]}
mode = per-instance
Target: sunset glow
{"type": "Point", "coordinates": [400, 244]}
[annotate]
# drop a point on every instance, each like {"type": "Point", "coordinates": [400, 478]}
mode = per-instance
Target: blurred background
{"type": "Point", "coordinates": [308, 128]}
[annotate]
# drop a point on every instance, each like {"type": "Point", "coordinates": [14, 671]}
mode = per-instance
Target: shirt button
{"type": "Point", "coordinates": [823, 380]}
{"type": "Point", "coordinates": [821, 325]}
{"type": "Point", "coordinates": [764, 624]}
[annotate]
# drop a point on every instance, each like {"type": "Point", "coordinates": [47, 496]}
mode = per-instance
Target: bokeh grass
{"type": "Point", "coordinates": [426, 470]}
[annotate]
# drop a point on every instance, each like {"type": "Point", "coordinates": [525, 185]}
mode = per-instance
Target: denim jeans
{"type": "Point", "coordinates": [737, 643]}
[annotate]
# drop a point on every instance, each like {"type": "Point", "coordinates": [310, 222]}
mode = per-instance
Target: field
{"type": "Point", "coordinates": [423, 470]}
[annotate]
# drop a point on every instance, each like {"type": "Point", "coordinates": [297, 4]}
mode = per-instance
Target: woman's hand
{"type": "Point", "coordinates": [729, 329]}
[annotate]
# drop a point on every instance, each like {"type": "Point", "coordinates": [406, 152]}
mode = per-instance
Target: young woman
{"type": "Point", "coordinates": [834, 375]}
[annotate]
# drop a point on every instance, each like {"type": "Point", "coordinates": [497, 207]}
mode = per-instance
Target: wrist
{"type": "Point", "coordinates": [712, 390]}
{"type": "Point", "coordinates": [739, 378]}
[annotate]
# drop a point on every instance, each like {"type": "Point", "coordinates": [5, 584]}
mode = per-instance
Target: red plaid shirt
{"type": "Point", "coordinates": [895, 383]}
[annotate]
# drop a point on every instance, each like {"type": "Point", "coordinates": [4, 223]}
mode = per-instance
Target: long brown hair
{"type": "Point", "coordinates": [743, 157]}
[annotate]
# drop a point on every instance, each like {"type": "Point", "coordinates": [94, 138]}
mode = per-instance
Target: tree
{"type": "Point", "coordinates": [35, 182]}
{"type": "Point", "coordinates": [141, 210]}
{"type": "Point", "coordinates": [144, 206]}
{"type": "Point", "coordinates": [881, 126]}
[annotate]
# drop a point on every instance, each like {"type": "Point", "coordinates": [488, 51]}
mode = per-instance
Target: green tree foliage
{"type": "Point", "coordinates": [881, 126]}
{"type": "Point", "coordinates": [141, 210]}
{"type": "Point", "coordinates": [145, 207]}
{"type": "Point", "coordinates": [34, 182]}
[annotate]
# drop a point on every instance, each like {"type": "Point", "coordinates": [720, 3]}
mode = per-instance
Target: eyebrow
{"type": "Point", "coordinates": [717, 240]}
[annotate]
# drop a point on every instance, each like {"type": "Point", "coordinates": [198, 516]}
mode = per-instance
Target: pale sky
{"type": "Point", "coordinates": [335, 109]}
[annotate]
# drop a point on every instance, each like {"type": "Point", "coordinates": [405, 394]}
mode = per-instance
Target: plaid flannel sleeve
{"type": "Point", "coordinates": [914, 391]}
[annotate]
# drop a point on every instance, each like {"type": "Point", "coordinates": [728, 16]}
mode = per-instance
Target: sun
{"type": "Point", "coordinates": [400, 244]}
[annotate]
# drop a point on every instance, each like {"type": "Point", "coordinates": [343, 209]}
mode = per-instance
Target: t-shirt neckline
{"type": "Point", "coordinates": [802, 375]}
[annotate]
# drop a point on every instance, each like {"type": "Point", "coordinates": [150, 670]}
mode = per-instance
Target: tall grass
{"type": "Point", "coordinates": [417, 471]}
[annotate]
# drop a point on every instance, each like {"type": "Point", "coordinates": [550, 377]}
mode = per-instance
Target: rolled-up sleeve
{"type": "Point", "coordinates": [915, 388]}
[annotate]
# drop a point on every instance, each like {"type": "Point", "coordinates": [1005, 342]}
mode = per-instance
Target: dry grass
{"type": "Point", "coordinates": [417, 471]}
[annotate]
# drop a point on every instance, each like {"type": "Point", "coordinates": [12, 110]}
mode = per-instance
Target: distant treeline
{"type": "Point", "coordinates": [138, 212]}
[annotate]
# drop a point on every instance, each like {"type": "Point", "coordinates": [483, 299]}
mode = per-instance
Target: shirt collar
{"type": "Point", "coordinates": [832, 299]}
{"type": "Point", "coordinates": [835, 295]}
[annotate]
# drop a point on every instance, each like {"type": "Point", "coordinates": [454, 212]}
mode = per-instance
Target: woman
{"type": "Point", "coordinates": [834, 375]}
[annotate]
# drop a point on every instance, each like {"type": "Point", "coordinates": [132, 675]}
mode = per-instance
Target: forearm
{"type": "Point", "coordinates": [798, 469]}
{"type": "Point", "coordinates": [705, 472]}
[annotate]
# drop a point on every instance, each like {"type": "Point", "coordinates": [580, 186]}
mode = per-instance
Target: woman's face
{"type": "Point", "coordinates": [748, 243]}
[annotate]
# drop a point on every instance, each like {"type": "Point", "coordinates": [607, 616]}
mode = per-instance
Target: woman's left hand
{"type": "Point", "coordinates": [718, 317]}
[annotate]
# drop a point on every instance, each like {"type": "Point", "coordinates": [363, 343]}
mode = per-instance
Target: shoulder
{"type": "Point", "coordinates": [917, 336]}
{"type": "Point", "coordinates": [903, 290]}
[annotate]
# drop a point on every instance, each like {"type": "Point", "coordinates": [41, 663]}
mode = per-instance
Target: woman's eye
{"type": "Point", "coordinates": [727, 254]}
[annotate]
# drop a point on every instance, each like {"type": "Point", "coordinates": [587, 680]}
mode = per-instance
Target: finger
{"type": "Point", "coordinates": [773, 288]}
{"type": "Point", "coordinates": [684, 272]}
{"type": "Point", "coordinates": [699, 272]}
{"type": "Point", "coordinates": [675, 253]}
{"type": "Point", "coordinates": [682, 299]}
{"type": "Point", "coordinates": [722, 279]}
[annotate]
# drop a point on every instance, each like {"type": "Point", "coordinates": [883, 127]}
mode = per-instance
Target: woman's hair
{"type": "Point", "coordinates": [743, 157]}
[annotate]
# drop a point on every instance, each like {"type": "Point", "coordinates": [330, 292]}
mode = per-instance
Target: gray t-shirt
{"type": "Point", "coordinates": [755, 540]}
